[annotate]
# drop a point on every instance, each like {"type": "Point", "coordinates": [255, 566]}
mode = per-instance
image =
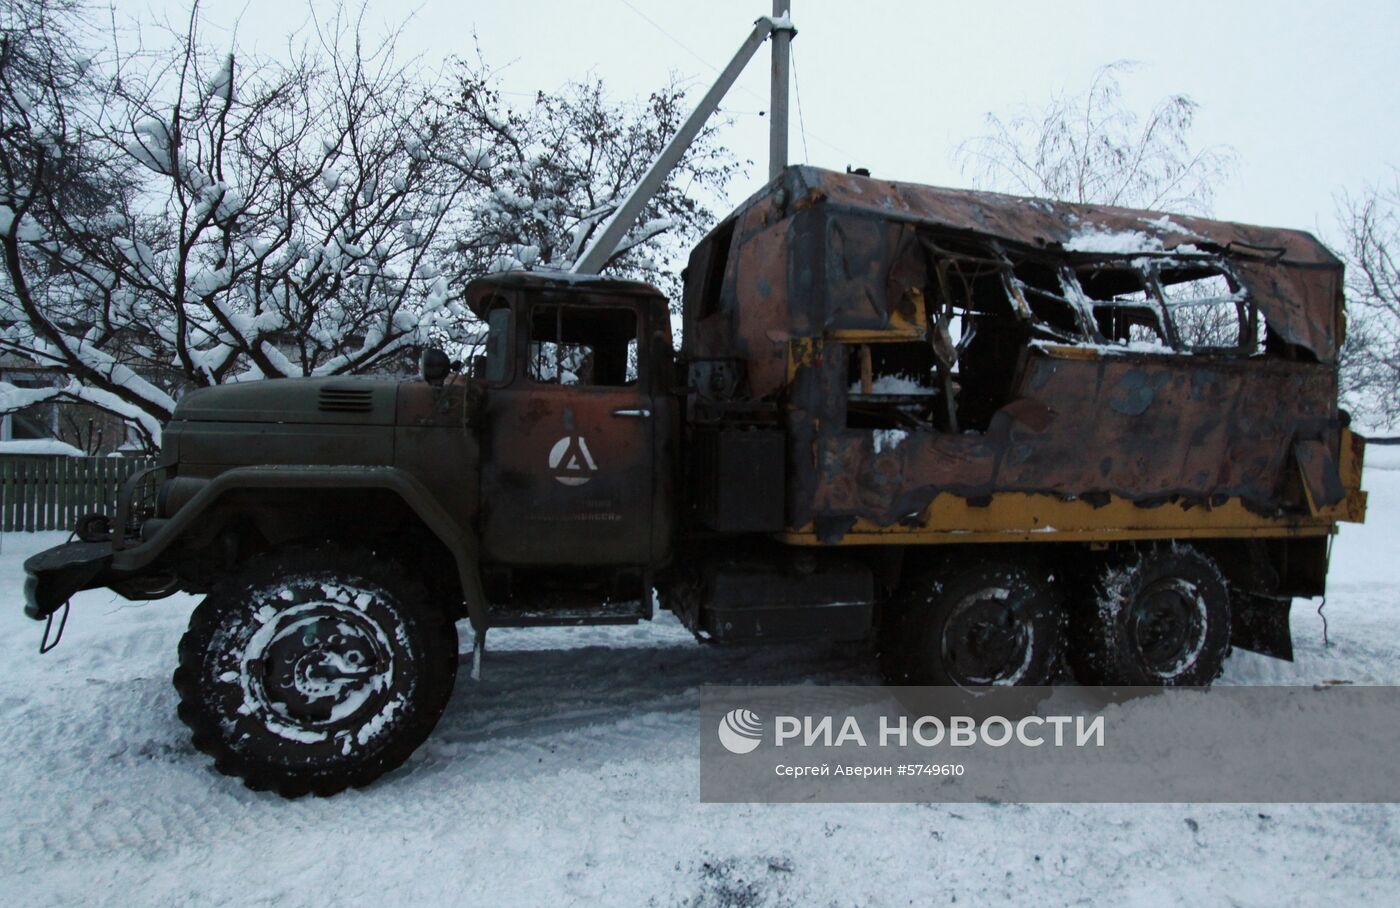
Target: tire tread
{"type": "Point", "coordinates": [439, 671]}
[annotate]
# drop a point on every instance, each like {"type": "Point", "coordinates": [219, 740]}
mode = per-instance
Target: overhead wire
{"type": "Point", "coordinates": [679, 43]}
{"type": "Point", "coordinates": [797, 90]}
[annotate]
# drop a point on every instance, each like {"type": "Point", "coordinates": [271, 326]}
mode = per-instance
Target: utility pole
{"type": "Point", "coordinates": [778, 108]}
{"type": "Point", "coordinates": [592, 260]}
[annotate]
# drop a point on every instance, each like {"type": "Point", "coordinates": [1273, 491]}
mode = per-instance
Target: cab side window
{"type": "Point", "coordinates": [497, 343]}
{"type": "Point", "coordinates": [582, 346]}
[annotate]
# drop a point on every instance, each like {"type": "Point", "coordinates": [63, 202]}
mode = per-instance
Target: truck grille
{"type": "Point", "coordinates": [345, 400]}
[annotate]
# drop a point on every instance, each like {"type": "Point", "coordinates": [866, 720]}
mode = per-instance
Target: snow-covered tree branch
{"type": "Point", "coordinates": [183, 215]}
{"type": "Point", "coordinates": [1094, 148]}
{"type": "Point", "coordinates": [58, 177]}
{"type": "Point", "coordinates": [562, 163]}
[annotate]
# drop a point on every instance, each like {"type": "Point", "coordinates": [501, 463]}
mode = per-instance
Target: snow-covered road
{"type": "Point", "coordinates": [569, 776]}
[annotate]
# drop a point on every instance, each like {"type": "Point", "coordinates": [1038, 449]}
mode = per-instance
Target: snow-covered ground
{"type": "Point", "coordinates": [569, 776]}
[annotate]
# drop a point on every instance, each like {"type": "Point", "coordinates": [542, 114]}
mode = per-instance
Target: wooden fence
{"type": "Point", "coordinates": [50, 493]}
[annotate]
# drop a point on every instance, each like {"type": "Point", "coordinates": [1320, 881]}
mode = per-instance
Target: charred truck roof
{"type": "Point", "coordinates": [482, 292]}
{"type": "Point", "coordinates": [998, 344]}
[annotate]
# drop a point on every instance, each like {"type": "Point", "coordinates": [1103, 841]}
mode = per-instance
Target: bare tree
{"type": "Point", "coordinates": [1371, 356]}
{"type": "Point", "coordinates": [52, 160]}
{"type": "Point", "coordinates": [312, 216]}
{"type": "Point", "coordinates": [1092, 148]}
{"type": "Point", "coordinates": [273, 221]}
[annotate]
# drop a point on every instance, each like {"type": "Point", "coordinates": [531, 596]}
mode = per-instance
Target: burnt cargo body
{"type": "Point", "coordinates": [951, 366]}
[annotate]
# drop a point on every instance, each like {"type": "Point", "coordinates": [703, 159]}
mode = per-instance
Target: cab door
{"type": "Point", "coordinates": [567, 467]}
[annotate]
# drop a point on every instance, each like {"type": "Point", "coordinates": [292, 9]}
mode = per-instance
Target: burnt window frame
{"type": "Point", "coordinates": [524, 375]}
{"type": "Point", "coordinates": [1151, 302]}
{"type": "Point", "coordinates": [1014, 264]}
{"type": "Point", "coordinates": [1150, 268]}
{"type": "Point", "coordinates": [500, 303]}
{"type": "Point", "coordinates": [1066, 295]}
{"type": "Point", "coordinates": [1247, 308]}
{"type": "Point", "coordinates": [970, 284]}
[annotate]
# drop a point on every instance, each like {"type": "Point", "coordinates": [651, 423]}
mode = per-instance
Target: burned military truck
{"type": "Point", "coordinates": [993, 436]}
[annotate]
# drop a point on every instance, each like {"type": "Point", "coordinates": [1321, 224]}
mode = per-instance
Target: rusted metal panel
{"type": "Point", "coordinates": [1322, 483]}
{"type": "Point", "coordinates": [1060, 361]}
{"type": "Point", "coordinates": [1039, 222]}
{"type": "Point", "coordinates": [849, 243]}
{"type": "Point", "coordinates": [1007, 517]}
{"type": "Point", "coordinates": [1302, 301]}
{"type": "Point", "coordinates": [1084, 428]}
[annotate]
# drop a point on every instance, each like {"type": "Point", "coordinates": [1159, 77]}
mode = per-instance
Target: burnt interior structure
{"type": "Point", "coordinates": [910, 341]}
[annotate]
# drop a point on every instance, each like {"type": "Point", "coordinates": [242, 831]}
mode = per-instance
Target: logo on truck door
{"type": "Point", "coordinates": [571, 462]}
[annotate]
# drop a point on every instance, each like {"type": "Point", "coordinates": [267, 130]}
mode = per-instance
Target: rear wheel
{"type": "Point", "coordinates": [313, 671]}
{"type": "Point", "coordinates": [1160, 617]}
{"type": "Point", "coordinates": [988, 624]}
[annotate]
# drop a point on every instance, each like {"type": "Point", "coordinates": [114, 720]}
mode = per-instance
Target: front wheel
{"type": "Point", "coordinates": [313, 671]}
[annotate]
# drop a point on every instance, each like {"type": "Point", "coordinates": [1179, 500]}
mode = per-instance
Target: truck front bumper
{"type": "Point", "coordinates": [54, 575]}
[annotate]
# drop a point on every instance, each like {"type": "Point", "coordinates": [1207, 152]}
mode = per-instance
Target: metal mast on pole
{"type": "Point", "coordinates": [778, 108]}
{"type": "Point", "coordinates": [592, 260]}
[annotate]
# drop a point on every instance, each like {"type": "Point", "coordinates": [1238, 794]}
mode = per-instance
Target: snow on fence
{"type": "Point", "coordinates": [51, 493]}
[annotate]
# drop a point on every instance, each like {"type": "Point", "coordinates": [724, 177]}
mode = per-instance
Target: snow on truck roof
{"type": "Point", "coordinates": [1042, 223]}
{"type": "Point", "coordinates": [480, 290]}
{"type": "Point", "coordinates": [1295, 280]}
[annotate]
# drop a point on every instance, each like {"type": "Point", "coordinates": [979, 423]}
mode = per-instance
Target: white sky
{"type": "Point", "coordinates": [1306, 93]}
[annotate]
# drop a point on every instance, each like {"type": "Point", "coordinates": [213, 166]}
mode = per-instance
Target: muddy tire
{"type": "Point", "coordinates": [1158, 617]}
{"type": "Point", "coordinates": [983, 625]}
{"type": "Point", "coordinates": [313, 671]}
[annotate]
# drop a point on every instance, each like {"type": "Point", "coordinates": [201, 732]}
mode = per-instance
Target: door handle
{"type": "Point", "coordinates": [639, 413]}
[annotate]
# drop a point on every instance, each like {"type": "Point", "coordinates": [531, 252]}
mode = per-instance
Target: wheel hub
{"type": "Point", "coordinates": [319, 664]}
{"type": "Point", "coordinates": [1168, 626]}
{"type": "Point", "coordinates": [984, 643]}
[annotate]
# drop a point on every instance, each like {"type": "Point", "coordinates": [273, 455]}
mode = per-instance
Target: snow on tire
{"type": "Point", "coordinates": [1160, 617]}
{"type": "Point", "coordinates": [314, 671]}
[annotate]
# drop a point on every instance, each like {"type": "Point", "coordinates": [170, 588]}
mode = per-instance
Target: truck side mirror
{"type": "Point", "coordinates": [434, 366]}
